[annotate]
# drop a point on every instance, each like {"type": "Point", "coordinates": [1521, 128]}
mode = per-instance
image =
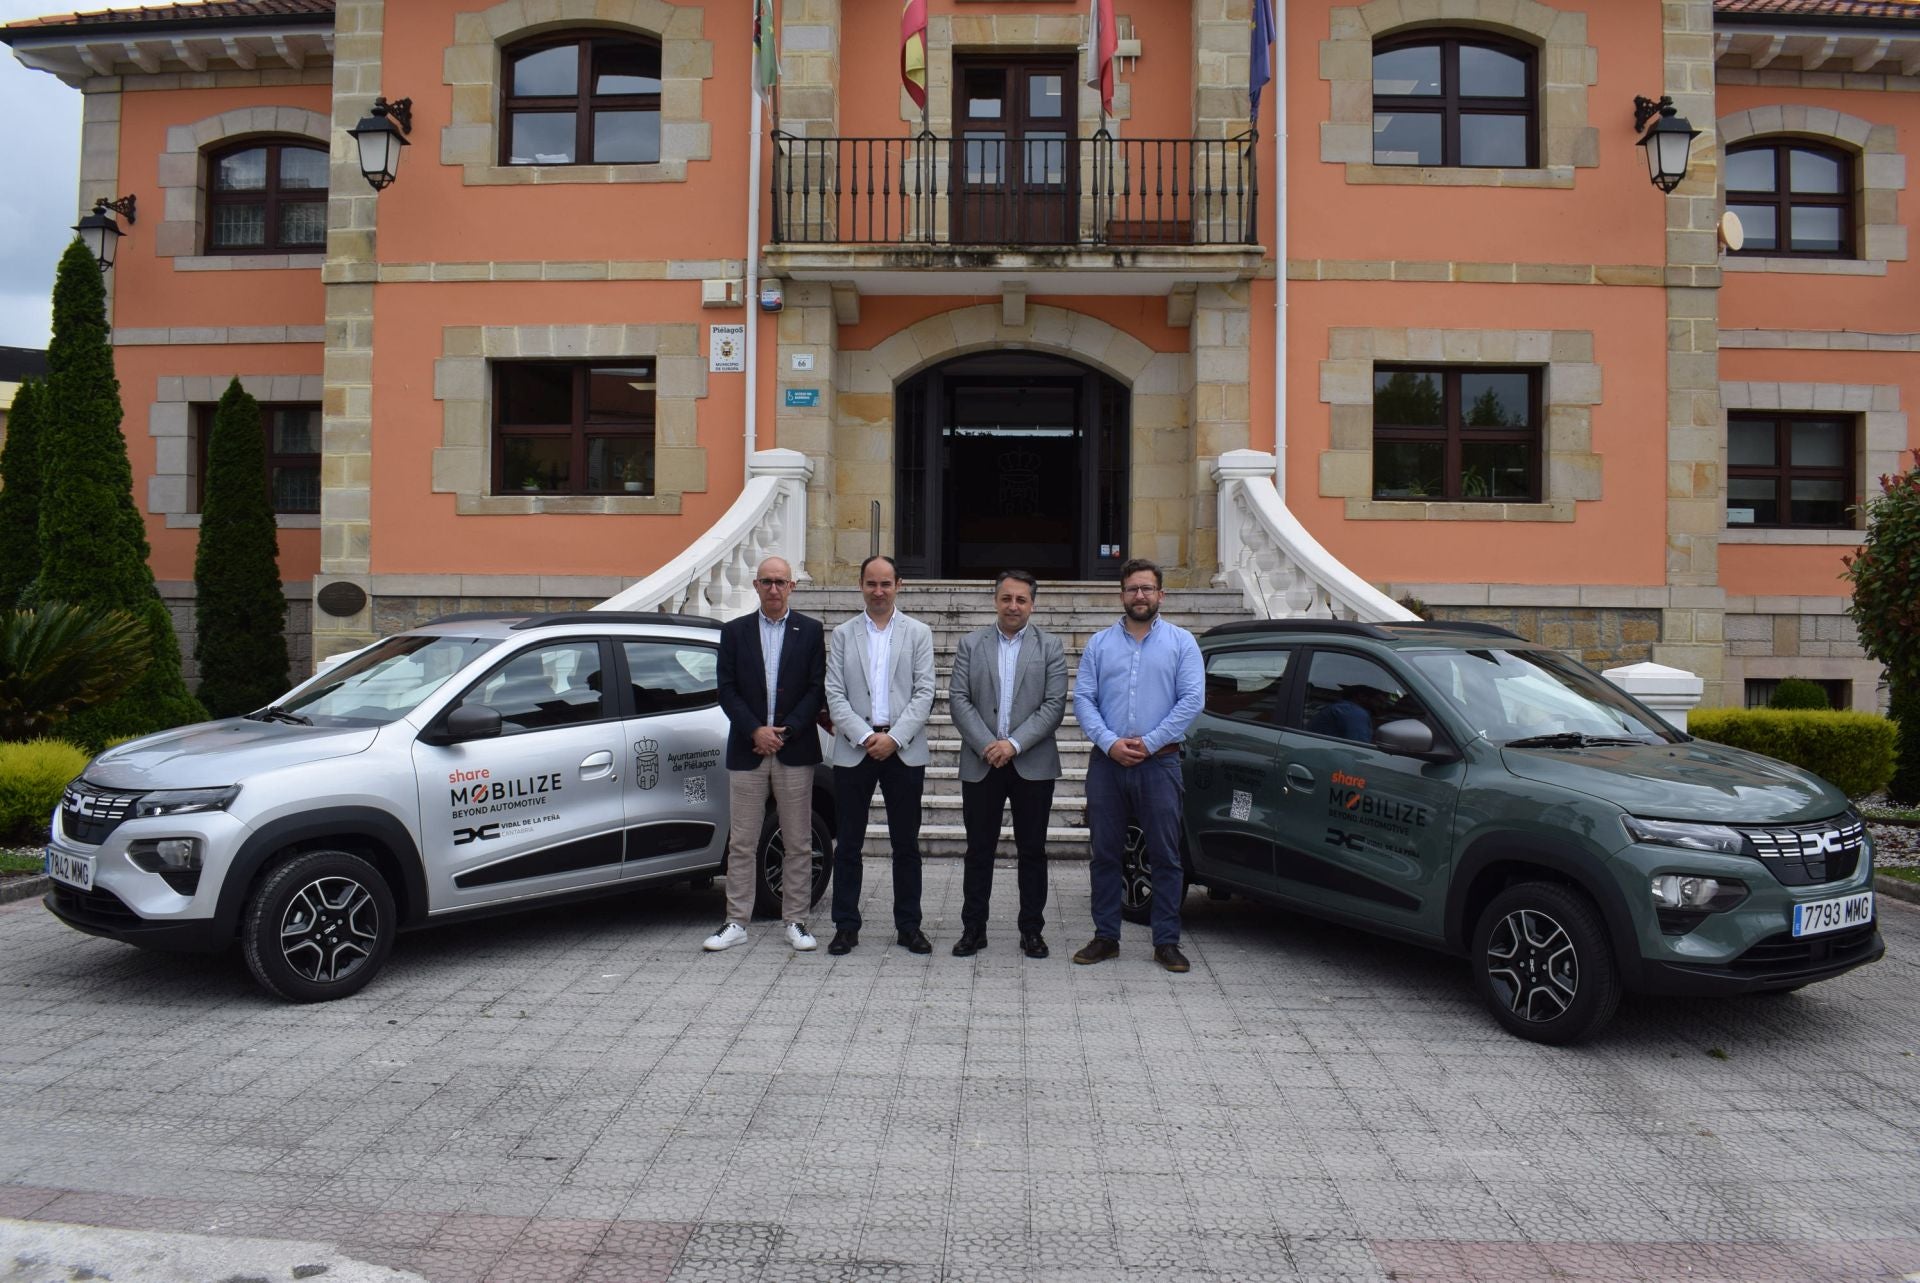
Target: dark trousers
{"type": "Point", "coordinates": [1151, 794]}
{"type": "Point", "coordinates": [981, 802]}
{"type": "Point", "coordinates": [900, 788]}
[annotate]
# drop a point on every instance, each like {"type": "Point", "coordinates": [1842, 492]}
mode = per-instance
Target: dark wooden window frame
{"type": "Point", "coordinates": [579, 429]}
{"type": "Point", "coordinates": [1455, 434]}
{"type": "Point", "coordinates": [203, 413]}
{"type": "Point", "coordinates": [1783, 473]}
{"type": "Point", "coordinates": [582, 104]}
{"type": "Point", "coordinates": [271, 196]}
{"type": "Point", "coordinates": [1449, 103]}
{"type": "Point", "coordinates": [1782, 199]}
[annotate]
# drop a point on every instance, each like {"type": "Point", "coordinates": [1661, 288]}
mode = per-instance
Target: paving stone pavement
{"type": "Point", "coordinates": [582, 1094]}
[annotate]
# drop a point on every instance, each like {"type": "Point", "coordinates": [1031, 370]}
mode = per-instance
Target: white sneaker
{"type": "Point", "coordinates": [798, 937]}
{"type": "Point", "coordinates": [726, 937]}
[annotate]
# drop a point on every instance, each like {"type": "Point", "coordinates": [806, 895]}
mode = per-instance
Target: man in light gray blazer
{"type": "Point", "coordinates": [1008, 694]}
{"type": "Point", "coordinates": [879, 694]}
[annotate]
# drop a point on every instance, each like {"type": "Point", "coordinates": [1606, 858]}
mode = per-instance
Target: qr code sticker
{"type": "Point", "coordinates": [696, 788]}
{"type": "Point", "coordinates": [1242, 807]}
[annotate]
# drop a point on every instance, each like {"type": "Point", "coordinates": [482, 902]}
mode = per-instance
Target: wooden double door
{"type": "Point", "coordinates": [1016, 168]}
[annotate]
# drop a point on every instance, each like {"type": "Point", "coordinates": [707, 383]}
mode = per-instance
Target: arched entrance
{"type": "Point", "coordinates": [1010, 458]}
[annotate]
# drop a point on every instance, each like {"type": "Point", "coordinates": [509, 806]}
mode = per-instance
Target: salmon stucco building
{"type": "Point", "coordinates": [1343, 305]}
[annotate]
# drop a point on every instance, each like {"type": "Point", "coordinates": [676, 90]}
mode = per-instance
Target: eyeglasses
{"type": "Point", "coordinates": [774, 583]}
{"type": "Point", "coordinates": [1139, 590]}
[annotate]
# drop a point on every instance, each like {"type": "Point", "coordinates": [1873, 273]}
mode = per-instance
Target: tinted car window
{"type": "Point", "coordinates": [1349, 697]}
{"type": "Point", "coordinates": [1246, 685]}
{"type": "Point", "coordinates": [556, 685]}
{"type": "Point", "coordinates": [671, 676]}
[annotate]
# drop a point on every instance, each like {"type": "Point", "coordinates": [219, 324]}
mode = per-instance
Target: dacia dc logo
{"type": "Point", "coordinates": [483, 833]}
{"type": "Point", "coordinates": [646, 763]}
{"type": "Point", "coordinates": [85, 805]}
{"type": "Point", "coordinates": [1832, 842]}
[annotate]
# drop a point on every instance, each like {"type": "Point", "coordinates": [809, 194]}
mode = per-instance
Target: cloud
{"type": "Point", "coordinates": [39, 200]}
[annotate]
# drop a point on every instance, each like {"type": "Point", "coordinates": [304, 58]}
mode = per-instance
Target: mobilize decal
{"type": "Point", "coordinates": [476, 792]}
{"type": "Point", "coordinates": [1349, 801]}
{"type": "Point", "coordinates": [646, 763]}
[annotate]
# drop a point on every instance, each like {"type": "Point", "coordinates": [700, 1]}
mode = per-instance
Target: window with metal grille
{"type": "Point", "coordinates": [293, 454]}
{"type": "Point", "coordinates": [267, 197]}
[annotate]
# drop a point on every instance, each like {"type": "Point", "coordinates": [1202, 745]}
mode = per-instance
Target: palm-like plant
{"type": "Point", "coordinates": [58, 659]}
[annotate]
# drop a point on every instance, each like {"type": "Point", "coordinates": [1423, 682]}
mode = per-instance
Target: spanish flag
{"type": "Point", "coordinates": [913, 50]}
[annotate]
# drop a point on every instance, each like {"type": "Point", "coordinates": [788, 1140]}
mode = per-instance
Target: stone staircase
{"type": "Point", "coordinates": [1072, 611]}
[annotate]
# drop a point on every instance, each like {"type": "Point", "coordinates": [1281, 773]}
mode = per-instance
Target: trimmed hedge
{"type": "Point", "coordinates": [1797, 692]}
{"type": "Point", "coordinates": [1853, 751]}
{"type": "Point", "coordinates": [32, 774]}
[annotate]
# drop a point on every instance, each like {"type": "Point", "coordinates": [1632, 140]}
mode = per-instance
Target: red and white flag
{"type": "Point", "coordinates": [1103, 37]}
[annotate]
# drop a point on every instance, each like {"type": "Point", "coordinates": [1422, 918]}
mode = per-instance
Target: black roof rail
{"type": "Point", "coordinates": [1337, 627]}
{"type": "Point", "coordinates": [471, 616]}
{"type": "Point", "coordinates": [1457, 626]}
{"type": "Point", "coordinates": [655, 617]}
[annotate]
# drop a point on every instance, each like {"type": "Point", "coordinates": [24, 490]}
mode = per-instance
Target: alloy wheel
{"type": "Point", "coordinates": [330, 928]}
{"type": "Point", "coordinates": [1533, 965]}
{"type": "Point", "coordinates": [1136, 878]}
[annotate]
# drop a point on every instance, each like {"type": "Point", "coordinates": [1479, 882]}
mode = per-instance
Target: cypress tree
{"type": "Point", "coordinates": [240, 639]}
{"type": "Point", "coordinates": [20, 469]}
{"type": "Point", "coordinates": [93, 543]}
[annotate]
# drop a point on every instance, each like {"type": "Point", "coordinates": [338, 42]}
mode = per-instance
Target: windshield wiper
{"type": "Point", "coordinates": [1573, 739]}
{"type": "Point", "coordinates": [275, 713]}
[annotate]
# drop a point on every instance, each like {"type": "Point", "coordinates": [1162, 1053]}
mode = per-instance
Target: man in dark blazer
{"type": "Point", "coordinates": [773, 669]}
{"type": "Point", "coordinates": [1008, 694]}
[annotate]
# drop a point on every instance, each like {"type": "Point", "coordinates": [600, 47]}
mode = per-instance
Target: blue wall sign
{"type": "Point", "coordinates": [803, 396]}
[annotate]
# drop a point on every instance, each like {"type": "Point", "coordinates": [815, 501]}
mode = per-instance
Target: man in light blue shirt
{"type": "Point", "coordinates": [1140, 686]}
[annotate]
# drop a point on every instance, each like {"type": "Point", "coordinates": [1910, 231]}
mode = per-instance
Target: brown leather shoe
{"type": "Point", "coordinates": [1098, 949]}
{"type": "Point", "coordinates": [1170, 957]}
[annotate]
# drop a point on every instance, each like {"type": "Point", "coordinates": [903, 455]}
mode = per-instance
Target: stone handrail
{"type": "Point", "coordinates": [1266, 553]}
{"type": "Point", "coordinates": [714, 576]}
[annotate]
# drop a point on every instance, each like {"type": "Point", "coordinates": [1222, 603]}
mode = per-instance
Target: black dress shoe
{"type": "Point", "coordinates": [1170, 957]}
{"type": "Point", "coordinates": [915, 942]}
{"type": "Point", "coordinates": [843, 942]}
{"type": "Point", "coordinates": [969, 943]}
{"type": "Point", "coordinates": [1098, 949]}
{"type": "Point", "coordinates": [1032, 945]}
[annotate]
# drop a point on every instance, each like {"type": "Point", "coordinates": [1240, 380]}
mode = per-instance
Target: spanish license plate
{"type": "Point", "coordinates": [1823, 916]}
{"type": "Point", "coordinates": [74, 870]}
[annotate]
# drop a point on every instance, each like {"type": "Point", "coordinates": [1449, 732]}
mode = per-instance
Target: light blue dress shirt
{"type": "Point", "coordinates": [773, 636]}
{"type": "Point", "coordinates": [1153, 688]}
{"type": "Point", "coordinates": [1009, 662]}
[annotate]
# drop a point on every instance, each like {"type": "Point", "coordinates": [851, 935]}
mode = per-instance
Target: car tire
{"type": "Point", "coordinates": [318, 926]}
{"type": "Point", "coordinates": [1543, 964]}
{"type": "Point", "coordinates": [772, 853]}
{"type": "Point", "coordinates": [1136, 878]}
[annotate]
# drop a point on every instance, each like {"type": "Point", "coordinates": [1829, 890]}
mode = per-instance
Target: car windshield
{"type": "Point", "coordinates": [1525, 695]}
{"type": "Point", "coordinates": [386, 681]}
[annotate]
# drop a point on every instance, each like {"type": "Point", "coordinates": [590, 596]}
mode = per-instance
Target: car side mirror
{"type": "Point", "coordinates": [469, 722]}
{"type": "Point", "coordinates": [1410, 737]}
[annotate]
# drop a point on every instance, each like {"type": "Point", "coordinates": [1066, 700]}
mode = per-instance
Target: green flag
{"type": "Point", "coordinates": [766, 48]}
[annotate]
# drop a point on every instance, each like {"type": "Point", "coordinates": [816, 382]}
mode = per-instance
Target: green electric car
{"type": "Point", "coordinates": [1456, 786]}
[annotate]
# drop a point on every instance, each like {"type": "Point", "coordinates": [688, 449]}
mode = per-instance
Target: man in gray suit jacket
{"type": "Point", "coordinates": [879, 694]}
{"type": "Point", "coordinates": [1008, 694]}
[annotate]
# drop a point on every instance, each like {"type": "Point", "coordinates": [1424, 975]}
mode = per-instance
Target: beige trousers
{"type": "Point", "coordinates": [793, 800]}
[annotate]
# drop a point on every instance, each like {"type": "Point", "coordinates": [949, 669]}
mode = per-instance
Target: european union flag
{"type": "Point", "coordinates": [1260, 63]}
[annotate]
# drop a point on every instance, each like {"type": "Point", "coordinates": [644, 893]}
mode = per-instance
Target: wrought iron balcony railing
{"type": "Point", "coordinates": [1033, 191]}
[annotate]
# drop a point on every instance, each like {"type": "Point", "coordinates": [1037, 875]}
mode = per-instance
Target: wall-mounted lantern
{"type": "Point", "coordinates": [100, 231]}
{"type": "Point", "coordinates": [380, 139]}
{"type": "Point", "coordinates": [1668, 144]}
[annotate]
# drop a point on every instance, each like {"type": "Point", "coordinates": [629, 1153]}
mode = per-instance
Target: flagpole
{"type": "Point", "coordinates": [750, 345]}
{"type": "Point", "coordinates": [1279, 204]}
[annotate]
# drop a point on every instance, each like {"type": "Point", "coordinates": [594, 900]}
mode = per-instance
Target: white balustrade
{"type": "Point", "coordinates": [1266, 553]}
{"type": "Point", "coordinates": [714, 576]}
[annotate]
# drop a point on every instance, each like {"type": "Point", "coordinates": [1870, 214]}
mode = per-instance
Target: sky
{"type": "Point", "coordinates": [39, 182]}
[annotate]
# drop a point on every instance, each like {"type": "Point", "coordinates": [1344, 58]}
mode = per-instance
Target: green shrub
{"type": "Point", "coordinates": [1853, 751]}
{"type": "Point", "coordinates": [21, 473]}
{"type": "Point", "coordinates": [1798, 692]}
{"type": "Point", "coordinates": [31, 777]}
{"type": "Point", "coordinates": [241, 613]}
{"type": "Point", "coordinates": [1903, 705]}
{"type": "Point", "coordinates": [59, 660]}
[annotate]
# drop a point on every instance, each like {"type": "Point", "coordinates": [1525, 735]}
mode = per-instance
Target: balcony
{"type": "Point", "coordinates": [929, 214]}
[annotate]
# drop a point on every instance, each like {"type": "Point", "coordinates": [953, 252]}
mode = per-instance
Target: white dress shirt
{"type": "Point", "coordinates": [1009, 654]}
{"type": "Point", "coordinates": [879, 653]}
{"type": "Point", "coordinates": [773, 636]}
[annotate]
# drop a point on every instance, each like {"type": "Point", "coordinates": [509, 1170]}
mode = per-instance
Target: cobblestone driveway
{"type": "Point", "coordinates": [581, 1094]}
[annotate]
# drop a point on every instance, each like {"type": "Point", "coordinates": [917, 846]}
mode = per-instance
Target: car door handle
{"type": "Point", "coordinates": [598, 766]}
{"type": "Point", "coordinates": [1299, 776]}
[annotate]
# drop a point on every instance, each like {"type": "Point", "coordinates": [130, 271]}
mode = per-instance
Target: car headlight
{"type": "Point", "coordinates": [1691, 891]}
{"type": "Point", "coordinates": [1717, 838]}
{"type": "Point", "coordinates": [185, 801]}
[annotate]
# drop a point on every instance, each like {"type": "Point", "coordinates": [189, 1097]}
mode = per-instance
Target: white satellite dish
{"type": "Point", "coordinates": [1732, 234]}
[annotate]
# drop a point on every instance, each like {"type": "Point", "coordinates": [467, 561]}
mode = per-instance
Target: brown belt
{"type": "Point", "coordinates": [1165, 749]}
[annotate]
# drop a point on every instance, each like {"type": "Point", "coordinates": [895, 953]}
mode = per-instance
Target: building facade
{"type": "Point", "coordinates": [1494, 368]}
